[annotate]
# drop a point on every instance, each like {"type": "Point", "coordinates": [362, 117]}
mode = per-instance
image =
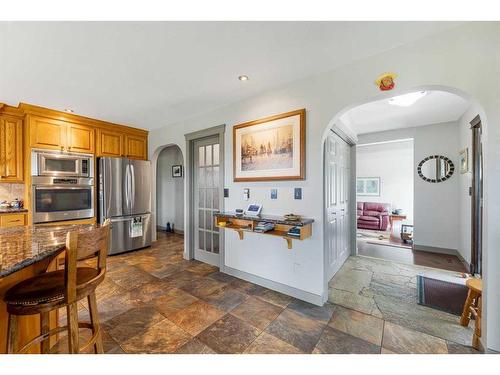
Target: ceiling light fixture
{"type": "Point", "coordinates": [68, 110]}
{"type": "Point", "coordinates": [407, 100]}
{"type": "Point", "coordinates": [243, 78]}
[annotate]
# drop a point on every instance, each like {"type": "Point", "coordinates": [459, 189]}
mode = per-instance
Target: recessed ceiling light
{"type": "Point", "coordinates": [407, 100]}
{"type": "Point", "coordinates": [68, 110]}
{"type": "Point", "coordinates": [243, 78]}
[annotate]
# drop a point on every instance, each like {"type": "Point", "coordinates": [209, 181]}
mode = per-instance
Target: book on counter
{"type": "Point", "coordinates": [294, 232]}
{"type": "Point", "coordinates": [264, 226]}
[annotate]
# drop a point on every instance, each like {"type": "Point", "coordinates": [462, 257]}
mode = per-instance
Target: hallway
{"type": "Point", "coordinates": [387, 290]}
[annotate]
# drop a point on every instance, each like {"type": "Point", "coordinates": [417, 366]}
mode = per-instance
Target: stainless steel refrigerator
{"type": "Point", "coordinates": [125, 198]}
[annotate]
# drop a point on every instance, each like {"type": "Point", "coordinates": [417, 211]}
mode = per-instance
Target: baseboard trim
{"type": "Point", "coordinates": [439, 250]}
{"type": "Point", "coordinates": [162, 229]}
{"type": "Point", "coordinates": [278, 287]}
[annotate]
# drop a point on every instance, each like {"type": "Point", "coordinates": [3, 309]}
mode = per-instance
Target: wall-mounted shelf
{"type": "Point", "coordinates": [242, 224]}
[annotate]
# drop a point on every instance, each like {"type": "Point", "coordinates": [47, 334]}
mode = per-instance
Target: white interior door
{"type": "Point", "coordinates": [207, 159]}
{"type": "Point", "coordinates": [337, 177]}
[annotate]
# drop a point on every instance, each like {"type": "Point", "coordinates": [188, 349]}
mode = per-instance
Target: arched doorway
{"type": "Point", "coordinates": [376, 288]}
{"type": "Point", "coordinates": [168, 190]}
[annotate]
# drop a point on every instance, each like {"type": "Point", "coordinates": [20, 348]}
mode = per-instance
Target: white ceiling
{"type": "Point", "coordinates": [152, 74]}
{"type": "Point", "coordinates": [433, 108]}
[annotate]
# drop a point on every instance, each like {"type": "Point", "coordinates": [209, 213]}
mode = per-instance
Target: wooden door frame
{"type": "Point", "coordinates": [189, 232]}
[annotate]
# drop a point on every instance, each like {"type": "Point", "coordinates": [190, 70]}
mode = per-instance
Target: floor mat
{"type": "Point", "coordinates": [441, 295]}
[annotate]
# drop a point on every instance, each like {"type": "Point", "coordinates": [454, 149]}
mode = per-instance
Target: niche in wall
{"type": "Point", "coordinates": [169, 190]}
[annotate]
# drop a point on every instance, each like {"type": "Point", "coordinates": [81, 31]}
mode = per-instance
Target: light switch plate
{"type": "Point", "coordinates": [274, 193]}
{"type": "Point", "coordinates": [297, 193]}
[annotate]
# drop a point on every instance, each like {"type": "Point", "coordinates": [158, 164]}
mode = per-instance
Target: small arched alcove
{"type": "Point", "coordinates": [168, 190]}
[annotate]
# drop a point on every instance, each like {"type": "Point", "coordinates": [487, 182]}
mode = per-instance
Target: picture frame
{"type": "Point", "coordinates": [464, 160]}
{"type": "Point", "coordinates": [177, 171]}
{"type": "Point", "coordinates": [368, 186]}
{"type": "Point", "coordinates": [271, 148]}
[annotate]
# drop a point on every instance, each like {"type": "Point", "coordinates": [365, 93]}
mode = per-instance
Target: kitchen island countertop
{"type": "Point", "coordinates": [21, 247]}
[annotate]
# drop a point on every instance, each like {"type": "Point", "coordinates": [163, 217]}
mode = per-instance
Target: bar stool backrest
{"type": "Point", "coordinates": [80, 246]}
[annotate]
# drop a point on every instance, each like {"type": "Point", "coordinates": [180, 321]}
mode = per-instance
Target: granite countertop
{"type": "Point", "coordinates": [24, 246]}
{"type": "Point", "coordinates": [272, 218]}
{"type": "Point", "coordinates": [4, 211]}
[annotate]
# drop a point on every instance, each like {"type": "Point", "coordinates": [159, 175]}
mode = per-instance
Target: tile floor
{"type": "Point", "coordinates": [154, 301]}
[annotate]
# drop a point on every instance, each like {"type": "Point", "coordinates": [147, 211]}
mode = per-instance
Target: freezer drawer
{"type": "Point", "coordinates": [130, 233]}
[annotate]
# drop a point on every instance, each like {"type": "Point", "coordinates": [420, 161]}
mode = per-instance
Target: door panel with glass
{"type": "Point", "coordinates": [207, 160]}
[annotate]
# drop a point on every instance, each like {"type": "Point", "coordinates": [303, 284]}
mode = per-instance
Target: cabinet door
{"type": "Point", "coordinates": [80, 138]}
{"type": "Point", "coordinates": [47, 133]}
{"type": "Point", "coordinates": [137, 147]}
{"type": "Point", "coordinates": [11, 149]}
{"type": "Point", "coordinates": [109, 143]}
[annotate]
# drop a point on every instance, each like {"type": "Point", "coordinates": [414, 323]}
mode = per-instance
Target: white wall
{"type": "Point", "coordinates": [393, 163]}
{"type": "Point", "coordinates": [169, 190]}
{"type": "Point", "coordinates": [465, 58]}
{"type": "Point", "coordinates": [436, 208]}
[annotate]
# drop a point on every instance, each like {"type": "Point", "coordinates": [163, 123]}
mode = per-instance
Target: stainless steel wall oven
{"type": "Point", "coordinates": [62, 186]}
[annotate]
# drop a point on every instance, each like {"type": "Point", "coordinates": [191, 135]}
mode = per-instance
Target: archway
{"type": "Point", "coordinates": [343, 129]}
{"type": "Point", "coordinates": [167, 188]}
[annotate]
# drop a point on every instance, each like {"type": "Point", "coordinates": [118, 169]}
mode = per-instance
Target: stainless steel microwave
{"type": "Point", "coordinates": [58, 164]}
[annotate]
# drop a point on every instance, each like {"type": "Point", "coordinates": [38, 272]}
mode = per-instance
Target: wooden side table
{"type": "Point", "coordinates": [393, 218]}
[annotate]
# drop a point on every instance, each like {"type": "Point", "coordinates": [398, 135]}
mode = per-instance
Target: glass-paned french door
{"type": "Point", "coordinates": [207, 160]}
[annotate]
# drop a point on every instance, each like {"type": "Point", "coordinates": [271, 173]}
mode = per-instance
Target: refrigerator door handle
{"type": "Point", "coordinates": [132, 187]}
{"type": "Point", "coordinates": [127, 187]}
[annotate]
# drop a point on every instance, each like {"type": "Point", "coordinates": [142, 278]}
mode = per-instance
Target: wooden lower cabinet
{"type": "Point", "coordinates": [12, 220]}
{"type": "Point", "coordinates": [11, 149]}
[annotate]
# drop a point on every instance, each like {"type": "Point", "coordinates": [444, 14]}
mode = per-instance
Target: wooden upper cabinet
{"type": "Point", "coordinates": [61, 135]}
{"type": "Point", "coordinates": [47, 133]}
{"type": "Point", "coordinates": [110, 143]}
{"type": "Point", "coordinates": [136, 147]}
{"type": "Point", "coordinates": [80, 138]}
{"type": "Point", "coordinates": [11, 149]}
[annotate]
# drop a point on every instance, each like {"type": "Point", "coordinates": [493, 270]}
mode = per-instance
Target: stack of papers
{"type": "Point", "coordinates": [264, 226]}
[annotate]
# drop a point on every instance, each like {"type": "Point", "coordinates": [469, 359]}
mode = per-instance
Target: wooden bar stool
{"type": "Point", "coordinates": [472, 307]}
{"type": "Point", "coordinates": [63, 288]}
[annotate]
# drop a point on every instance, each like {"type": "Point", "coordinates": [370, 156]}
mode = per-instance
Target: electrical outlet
{"type": "Point", "coordinates": [297, 193]}
{"type": "Point", "coordinates": [246, 194]}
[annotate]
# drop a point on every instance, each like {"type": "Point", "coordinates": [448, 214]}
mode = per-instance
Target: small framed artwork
{"type": "Point", "coordinates": [270, 149]}
{"type": "Point", "coordinates": [464, 161]}
{"type": "Point", "coordinates": [176, 171]}
{"type": "Point", "coordinates": [368, 186]}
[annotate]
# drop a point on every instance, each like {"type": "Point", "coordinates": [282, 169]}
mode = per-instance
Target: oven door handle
{"type": "Point", "coordinates": [59, 187]}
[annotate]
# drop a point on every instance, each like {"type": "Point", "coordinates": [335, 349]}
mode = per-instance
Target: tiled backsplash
{"type": "Point", "coordinates": [9, 192]}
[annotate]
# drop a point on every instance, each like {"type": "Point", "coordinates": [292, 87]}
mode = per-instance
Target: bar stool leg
{"type": "Point", "coordinates": [72, 316]}
{"type": "Point", "coordinates": [465, 318]}
{"type": "Point", "coordinates": [12, 334]}
{"type": "Point", "coordinates": [94, 318]}
{"type": "Point", "coordinates": [477, 325]}
{"type": "Point", "coordinates": [44, 328]}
